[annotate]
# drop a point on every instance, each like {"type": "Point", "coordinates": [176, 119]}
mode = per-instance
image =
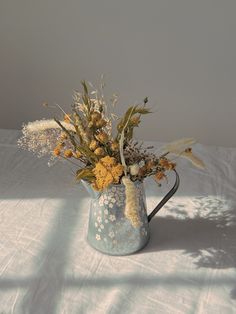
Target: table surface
{"type": "Point", "coordinates": [47, 267]}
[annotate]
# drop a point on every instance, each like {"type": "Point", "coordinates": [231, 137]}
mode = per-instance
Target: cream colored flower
{"type": "Point", "coordinates": [134, 169]}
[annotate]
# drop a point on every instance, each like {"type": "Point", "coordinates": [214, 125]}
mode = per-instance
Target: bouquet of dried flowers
{"type": "Point", "coordinates": [101, 145]}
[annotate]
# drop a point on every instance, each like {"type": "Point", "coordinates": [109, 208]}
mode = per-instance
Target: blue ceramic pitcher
{"type": "Point", "coordinates": [109, 231]}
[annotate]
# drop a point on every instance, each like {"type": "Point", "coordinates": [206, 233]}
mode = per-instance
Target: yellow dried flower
{"type": "Point", "coordinates": [102, 137]}
{"type": "Point", "coordinates": [107, 171]}
{"type": "Point", "coordinates": [77, 154]}
{"type": "Point", "coordinates": [68, 153]}
{"type": "Point", "coordinates": [93, 145]}
{"type": "Point", "coordinates": [63, 136]}
{"type": "Point", "coordinates": [101, 123]}
{"type": "Point", "coordinates": [115, 146]}
{"type": "Point", "coordinates": [95, 116]}
{"type": "Point", "coordinates": [90, 124]}
{"type": "Point", "coordinates": [99, 151]}
{"type": "Point", "coordinates": [135, 120]}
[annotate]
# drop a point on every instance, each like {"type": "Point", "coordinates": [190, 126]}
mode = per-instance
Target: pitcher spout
{"type": "Point", "coordinates": [94, 194]}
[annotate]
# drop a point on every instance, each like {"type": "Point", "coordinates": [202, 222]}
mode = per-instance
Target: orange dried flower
{"type": "Point", "coordinates": [150, 164]}
{"type": "Point", "coordinates": [56, 151]}
{"type": "Point", "coordinates": [67, 118]}
{"type": "Point", "coordinates": [166, 164]}
{"type": "Point", "coordinates": [159, 175]}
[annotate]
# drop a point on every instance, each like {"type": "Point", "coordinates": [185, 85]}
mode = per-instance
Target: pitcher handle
{"type": "Point", "coordinates": [165, 198]}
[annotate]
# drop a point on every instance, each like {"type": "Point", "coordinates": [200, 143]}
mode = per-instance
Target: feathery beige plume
{"type": "Point", "coordinates": [42, 125]}
{"type": "Point", "coordinates": [131, 204]}
{"type": "Point", "coordinates": [177, 147]}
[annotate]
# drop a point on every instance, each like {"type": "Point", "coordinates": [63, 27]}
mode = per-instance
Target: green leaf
{"type": "Point", "coordinates": [85, 173]}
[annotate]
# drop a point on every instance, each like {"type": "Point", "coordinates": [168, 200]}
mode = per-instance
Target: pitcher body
{"type": "Point", "coordinates": [109, 231]}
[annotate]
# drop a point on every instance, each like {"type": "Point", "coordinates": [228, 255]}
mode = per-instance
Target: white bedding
{"type": "Point", "coordinates": [47, 267]}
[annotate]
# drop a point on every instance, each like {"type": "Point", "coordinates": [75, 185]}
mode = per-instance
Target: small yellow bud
{"type": "Point", "coordinates": [90, 124]}
{"type": "Point", "coordinates": [99, 151]}
{"type": "Point", "coordinates": [93, 145]}
{"type": "Point", "coordinates": [77, 154]}
{"type": "Point", "coordinates": [101, 123]}
{"type": "Point", "coordinates": [102, 137]}
{"type": "Point", "coordinates": [95, 116]}
{"type": "Point", "coordinates": [115, 146]}
{"type": "Point", "coordinates": [68, 153]}
{"type": "Point", "coordinates": [135, 120]}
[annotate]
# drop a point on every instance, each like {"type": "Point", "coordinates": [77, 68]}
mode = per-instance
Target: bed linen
{"type": "Point", "coordinates": [47, 267]}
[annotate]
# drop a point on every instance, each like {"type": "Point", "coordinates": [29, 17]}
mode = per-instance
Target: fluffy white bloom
{"type": "Point", "coordinates": [134, 169]}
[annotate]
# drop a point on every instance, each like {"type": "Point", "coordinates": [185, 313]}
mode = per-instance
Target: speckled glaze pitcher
{"type": "Point", "coordinates": [109, 231]}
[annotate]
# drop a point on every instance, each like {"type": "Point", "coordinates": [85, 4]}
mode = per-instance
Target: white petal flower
{"type": "Point", "coordinates": [99, 219]}
{"type": "Point", "coordinates": [111, 234]}
{"type": "Point", "coordinates": [112, 217]}
{"type": "Point", "coordinates": [106, 221]}
{"type": "Point", "coordinates": [102, 226]}
{"type": "Point", "coordinates": [105, 211]}
{"type": "Point", "coordinates": [98, 237]}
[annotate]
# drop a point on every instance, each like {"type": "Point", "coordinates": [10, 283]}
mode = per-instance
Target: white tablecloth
{"type": "Point", "coordinates": [47, 267]}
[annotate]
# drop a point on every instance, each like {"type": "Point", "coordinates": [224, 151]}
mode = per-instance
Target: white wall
{"type": "Point", "coordinates": [181, 53]}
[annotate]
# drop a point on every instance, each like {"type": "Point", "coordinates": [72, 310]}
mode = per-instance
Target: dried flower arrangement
{"type": "Point", "coordinates": [86, 137]}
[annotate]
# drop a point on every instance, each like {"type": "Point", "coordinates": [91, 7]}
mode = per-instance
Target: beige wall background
{"type": "Point", "coordinates": [180, 53]}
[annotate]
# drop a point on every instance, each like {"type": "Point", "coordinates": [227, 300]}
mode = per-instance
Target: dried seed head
{"type": "Point", "coordinates": [99, 151]}
{"type": "Point", "coordinates": [115, 146]}
{"type": "Point", "coordinates": [68, 153]}
{"type": "Point", "coordinates": [102, 137]}
{"type": "Point", "coordinates": [56, 151]}
{"type": "Point", "coordinates": [77, 154]}
{"type": "Point", "coordinates": [101, 123]}
{"type": "Point", "coordinates": [93, 145]}
{"type": "Point", "coordinates": [95, 116]}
